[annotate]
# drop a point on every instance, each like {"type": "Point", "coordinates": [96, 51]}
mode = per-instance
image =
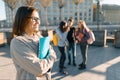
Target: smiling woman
{"type": "Point", "coordinates": [24, 46]}
{"type": "Point", "coordinates": [2, 11]}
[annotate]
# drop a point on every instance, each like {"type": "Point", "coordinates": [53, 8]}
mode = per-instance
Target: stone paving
{"type": "Point", "coordinates": [103, 64]}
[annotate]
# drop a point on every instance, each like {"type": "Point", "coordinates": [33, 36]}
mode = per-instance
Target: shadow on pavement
{"type": "Point", "coordinates": [113, 72]}
{"type": "Point", "coordinates": [97, 58]}
{"type": "Point", "coordinates": [5, 51]}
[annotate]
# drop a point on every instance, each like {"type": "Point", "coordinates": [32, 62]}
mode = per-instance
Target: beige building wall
{"type": "Point", "coordinates": [111, 14]}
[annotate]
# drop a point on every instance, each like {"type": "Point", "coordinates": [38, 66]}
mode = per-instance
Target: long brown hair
{"type": "Point", "coordinates": [21, 19]}
{"type": "Point", "coordinates": [62, 26]}
{"type": "Point", "coordinates": [83, 25]}
{"type": "Point", "coordinates": [80, 25]}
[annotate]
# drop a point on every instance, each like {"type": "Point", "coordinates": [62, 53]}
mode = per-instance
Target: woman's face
{"type": "Point", "coordinates": [65, 27]}
{"type": "Point", "coordinates": [70, 23]}
{"type": "Point", "coordinates": [79, 24]}
{"type": "Point", "coordinates": [34, 22]}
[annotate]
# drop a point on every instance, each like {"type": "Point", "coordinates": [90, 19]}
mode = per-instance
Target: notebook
{"type": "Point", "coordinates": [79, 36]}
{"type": "Point", "coordinates": [44, 45]}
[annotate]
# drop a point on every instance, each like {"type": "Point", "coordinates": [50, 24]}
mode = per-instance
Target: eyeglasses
{"type": "Point", "coordinates": [35, 18]}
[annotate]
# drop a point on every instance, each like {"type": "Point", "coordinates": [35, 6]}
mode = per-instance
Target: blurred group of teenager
{"type": "Point", "coordinates": [70, 36]}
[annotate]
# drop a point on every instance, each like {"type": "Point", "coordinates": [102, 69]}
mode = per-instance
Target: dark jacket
{"type": "Point", "coordinates": [70, 37]}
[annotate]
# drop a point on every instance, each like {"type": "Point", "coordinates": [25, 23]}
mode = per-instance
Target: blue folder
{"type": "Point", "coordinates": [44, 45]}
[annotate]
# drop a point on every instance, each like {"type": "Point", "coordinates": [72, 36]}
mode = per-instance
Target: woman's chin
{"type": "Point", "coordinates": [36, 29]}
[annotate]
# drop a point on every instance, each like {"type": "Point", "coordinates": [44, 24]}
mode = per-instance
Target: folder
{"type": "Point", "coordinates": [44, 46]}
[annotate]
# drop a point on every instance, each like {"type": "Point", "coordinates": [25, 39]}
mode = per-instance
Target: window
{"type": "Point", "coordinates": [54, 18]}
{"type": "Point", "coordinates": [89, 18]}
{"type": "Point", "coordinates": [89, 10]}
{"type": "Point", "coordinates": [75, 13]}
{"type": "Point", "coordinates": [75, 18]}
{"type": "Point", "coordinates": [80, 18]}
{"type": "Point", "coordinates": [85, 14]}
{"type": "Point", "coordinates": [66, 18]}
{"type": "Point", "coordinates": [80, 14]}
{"type": "Point", "coordinates": [85, 18]}
{"type": "Point", "coordinates": [89, 14]}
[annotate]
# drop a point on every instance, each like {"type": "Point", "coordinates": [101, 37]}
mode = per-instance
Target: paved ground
{"type": "Point", "coordinates": [103, 64]}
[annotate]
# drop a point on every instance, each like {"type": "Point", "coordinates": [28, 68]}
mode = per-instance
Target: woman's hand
{"type": "Point", "coordinates": [79, 39]}
{"type": "Point", "coordinates": [76, 41]}
{"type": "Point", "coordinates": [39, 75]}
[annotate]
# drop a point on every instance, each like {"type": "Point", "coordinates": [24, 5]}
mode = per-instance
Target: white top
{"type": "Point", "coordinates": [62, 37]}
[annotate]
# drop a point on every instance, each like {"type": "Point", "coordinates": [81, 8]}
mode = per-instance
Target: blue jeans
{"type": "Point", "coordinates": [72, 46]}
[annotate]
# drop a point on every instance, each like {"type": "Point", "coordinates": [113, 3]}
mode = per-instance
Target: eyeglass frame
{"type": "Point", "coordinates": [34, 18]}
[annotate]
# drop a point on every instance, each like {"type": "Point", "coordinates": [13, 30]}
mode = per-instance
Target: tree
{"type": "Point", "coordinates": [61, 4]}
{"type": "Point", "coordinates": [45, 4]}
{"type": "Point", "coordinates": [77, 2]}
{"type": "Point", "coordinates": [28, 2]}
{"type": "Point", "coordinates": [12, 5]}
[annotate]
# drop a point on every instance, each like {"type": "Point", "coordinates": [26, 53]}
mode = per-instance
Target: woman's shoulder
{"type": "Point", "coordinates": [20, 39]}
{"type": "Point", "coordinates": [17, 38]}
{"type": "Point", "coordinates": [57, 29]}
{"type": "Point", "coordinates": [16, 41]}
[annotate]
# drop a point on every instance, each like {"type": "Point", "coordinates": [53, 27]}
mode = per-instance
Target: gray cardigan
{"type": "Point", "coordinates": [24, 53]}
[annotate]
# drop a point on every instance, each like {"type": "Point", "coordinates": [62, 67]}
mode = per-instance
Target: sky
{"type": "Point", "coordinates": [110, 2]}
{"type": "Point", "coordinates": [3, 15]}
{"type": "Point", "coordinates": [2, 11]}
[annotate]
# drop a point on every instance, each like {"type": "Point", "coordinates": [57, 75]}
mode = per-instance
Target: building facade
{"type": "Point", "coordinates": [69, 9]}
{"type": "Point", "coordinates": [111, 14]}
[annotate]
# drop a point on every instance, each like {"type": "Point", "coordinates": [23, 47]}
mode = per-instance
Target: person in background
{"type": "Point", "coordinates": [72, 44]}
{"type": "Point", "coordinates": [82, 36]}
{"type": "Point", "coordinates": [61, 32]}
{"type": "Point", "coordinates": [24, 47]}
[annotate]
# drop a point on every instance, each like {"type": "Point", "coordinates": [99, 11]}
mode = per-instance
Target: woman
{"type": "Point", "coordinates": [82, 36]}
{"type": "Point", "coordinates": [72, 45]}
{"type": "Point", "coordinates": [24, 47]}
{"type": "Point", "coordinates": [61, 32]}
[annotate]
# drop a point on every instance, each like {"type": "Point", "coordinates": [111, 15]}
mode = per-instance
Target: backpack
{"type": "Point", "coordinates": [55, 39]}
{"type": "Point", "coordinates": [92, 37]}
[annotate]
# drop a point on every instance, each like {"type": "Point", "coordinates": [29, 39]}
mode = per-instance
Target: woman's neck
{"type": "Point", "coordinates": [30, 34]}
